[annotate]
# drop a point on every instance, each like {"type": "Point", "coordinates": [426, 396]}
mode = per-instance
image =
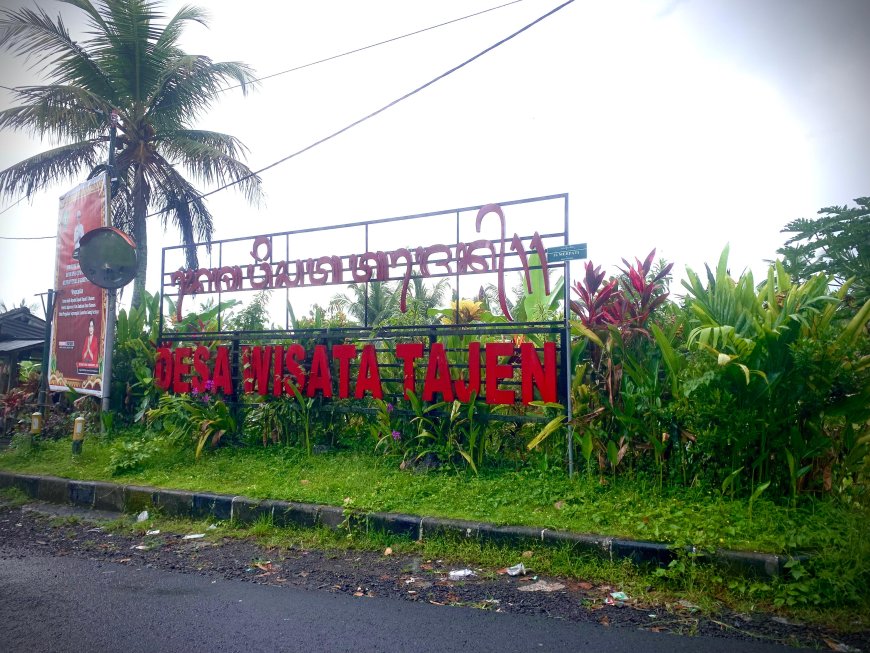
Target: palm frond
{"type": "Point", "coordinates": [213, 158]}
{"type": "Point", "coordinates": [179, 202]}
{"type": "Point", "coordinates": [191, 83]}
{"type": "Point", "coordinates": [36, 172]}
{"type": "Point", "coordinates": [57, 112]}
{"type": "Point", "coordinates": [27, 33]}
{"type": "Point", "coordinates": [173, 29]}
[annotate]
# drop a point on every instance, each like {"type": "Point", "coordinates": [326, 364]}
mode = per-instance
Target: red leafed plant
{"type": "Point", "coordinates": [13, 401]}
{"type": "Point", "coordinates": [626, 302]}
{"type": "Point", "coordinates": [595, 308]}
{"type": "Point", "coordinates": [641, 294]}
{"type": "Point", "coordinates": [614, 316]}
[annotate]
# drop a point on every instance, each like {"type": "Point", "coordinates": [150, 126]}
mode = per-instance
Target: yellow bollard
{"type": "Point", "coordinates": [78, 434]}
{"type": "Point", "coordinates": [36, 423]}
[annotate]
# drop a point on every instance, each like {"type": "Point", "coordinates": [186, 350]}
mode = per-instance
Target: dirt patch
{"type": "Point", "coordinates": [368, 574]}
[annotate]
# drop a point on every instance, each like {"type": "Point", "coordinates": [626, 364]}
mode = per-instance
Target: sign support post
{"type": "Point", "coordinates": [42, 400]}
{"type": "Point", "coordinates": [566, 254]}
{"type": "Point", "coordinates": [111, 292]}
{"type": "Point", "coordinates": [567, 354]}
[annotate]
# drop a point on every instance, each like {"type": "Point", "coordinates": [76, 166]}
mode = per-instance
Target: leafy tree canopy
{"type": "Point", "coordinates": [836, 243]}
{"type": "Point", "coordinates": [127, 70]}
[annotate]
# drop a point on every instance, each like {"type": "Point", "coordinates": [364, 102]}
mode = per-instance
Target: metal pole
{"type": "Point", "coordinates": [42, 399]}
{"type": "Point", "coordinates": [567, 353]}
{"type": "Point", "coordinates": [111, 294]}
{"type": "Point", "coordinates": [110, 346]}
{"type": "Point", "coordinates": [366, 298]}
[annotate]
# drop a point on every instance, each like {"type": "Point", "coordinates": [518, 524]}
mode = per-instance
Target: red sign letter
{"type": "Point", "coordinates": [163, 368]}
{"type": "Point", "coordinates": [437, 374]}
{"type": "Point", "coordinates": [278, 370]}
{"type": "Point", "coordinates": [496, 372]}
{"type": "Point", "coordinates": [344, 354]}
{"type": "Point", "coordinates": [222, 379]}
{"type": "Point", "coordinates": [463, 390]}
{"type": "Point", "coordinates": [544, 378]}
{"type": "Point", "coordinates": [409, 352]}
{"type": "Point", "coordinates": [180, 369]}
{"type": "Point", "coordinates": [369, 377]}
{"type": "Point", "coordinates": [295, 353]}
{"type": "Point", "coordinates": [261, 359]}
{"type": "Point", "coordinates": [200, 364]}
{"type": "Point", "coordinates": [320, 378]}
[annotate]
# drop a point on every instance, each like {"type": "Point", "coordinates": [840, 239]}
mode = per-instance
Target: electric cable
{"type": "Point", "coordinates": [373, 45]}
{"type": "Point", "coordinates": [383, 108]}
{"type": "Point", "coordinates": [15, 203]}
{"type": "Point", "coordinates": [348, 52]}
{"type": "Point", "coordinates": [364, 118]}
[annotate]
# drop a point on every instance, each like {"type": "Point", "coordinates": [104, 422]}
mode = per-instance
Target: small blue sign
{"type": "Point", "coordinates": [566, 253]}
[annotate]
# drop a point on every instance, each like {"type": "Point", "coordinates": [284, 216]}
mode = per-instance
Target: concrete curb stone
{"type": "Point", "coordinates": [248, 511]}
{"type": "Point", "coordinates": [395, 523]}
{"type": "Point", "coordinates": [138, 498]}
{"type": "Point", "coordinates": [219, 506]}
{"type": "Point", "coordinates": [53, 489]}
{"type": "Point", "coordinates": [174, 502]}
{"type": "Point", "coordinates": [245, 510]}
{"type": "Point", "coordinates": [81, 494]}
{"type": "Point", "coordinates": [287, 513]}
{"type": "Point", "coordinates": [108, 496]}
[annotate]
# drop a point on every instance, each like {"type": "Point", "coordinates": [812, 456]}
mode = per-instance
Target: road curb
{"type": "Point", "coordinates": [246, 510]}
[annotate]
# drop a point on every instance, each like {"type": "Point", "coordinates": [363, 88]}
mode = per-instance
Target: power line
{"type": "Point", "coordinates": [14, 204]}
{"type": "Point", "coordinates": [370, 115]}
{"type": "Point", "coordinates": [349, 52]}
{"type": "Point", "coordinates": [386, 106]}
{"type": "Point", "coordinates": [374, 45]}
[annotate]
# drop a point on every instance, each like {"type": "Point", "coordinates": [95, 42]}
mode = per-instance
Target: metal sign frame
{"type": "Point", "coordinates": [511, 253]}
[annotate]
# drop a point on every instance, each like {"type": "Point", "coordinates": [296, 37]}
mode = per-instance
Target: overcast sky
{"type": "Point", "coordinates": [681, 125]}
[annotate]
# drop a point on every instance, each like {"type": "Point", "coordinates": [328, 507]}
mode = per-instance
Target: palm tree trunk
{"type": "Point", "coordinates": [140, 236]}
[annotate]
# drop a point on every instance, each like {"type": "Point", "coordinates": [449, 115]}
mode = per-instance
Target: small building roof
{"type": "Point", "coordinates": [8, 346]}
{"type": "Point", "coordinates": [20, 323]}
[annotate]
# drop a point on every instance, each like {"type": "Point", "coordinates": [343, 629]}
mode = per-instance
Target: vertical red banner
{"type": "Point", "coordinates": [78, 332]}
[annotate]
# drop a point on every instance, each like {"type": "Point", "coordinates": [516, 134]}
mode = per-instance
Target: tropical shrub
{"type": "Point", "coordinates": [200, 417]}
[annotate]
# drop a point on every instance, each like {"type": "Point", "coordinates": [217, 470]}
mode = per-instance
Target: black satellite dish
{"type": "Point", "coordinates": [107, 257]}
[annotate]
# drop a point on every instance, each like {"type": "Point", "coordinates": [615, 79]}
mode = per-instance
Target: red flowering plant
{"type": "Point", "coordinates": [612, 335]}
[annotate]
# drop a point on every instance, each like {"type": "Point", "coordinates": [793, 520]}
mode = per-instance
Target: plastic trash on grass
{"type": "Point", "coordinates": [517, 570]}
{"type": "Point", "coordinates": [461, 574]}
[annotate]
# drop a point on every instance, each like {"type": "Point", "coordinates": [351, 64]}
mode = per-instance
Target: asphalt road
{"type": "Point", "coordinates": [63, 604]}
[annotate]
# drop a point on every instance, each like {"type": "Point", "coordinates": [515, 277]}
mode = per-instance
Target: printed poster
{"type": "Point", "coordinates": [78, 334]}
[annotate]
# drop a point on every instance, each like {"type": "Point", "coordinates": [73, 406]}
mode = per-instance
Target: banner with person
{"type": "Point", "coordinates": [78, 333]}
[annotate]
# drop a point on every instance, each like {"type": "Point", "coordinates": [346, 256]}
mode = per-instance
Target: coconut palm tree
{"type": "Point", "coordinates": [130, 70]}
{"type": "Point", "coordinates": [382, 302]}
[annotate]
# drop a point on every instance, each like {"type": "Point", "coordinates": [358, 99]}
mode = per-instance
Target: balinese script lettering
{"type": "Point", "coordinates": [476, 257]}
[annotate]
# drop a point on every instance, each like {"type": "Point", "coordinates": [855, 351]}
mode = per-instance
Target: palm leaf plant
{"type": "Point", "coordinates": [128, 70]}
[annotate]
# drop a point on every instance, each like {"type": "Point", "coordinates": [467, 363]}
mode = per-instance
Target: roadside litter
{"type": "Point", "coordinates": [194, 536]}
{"type": "Point", "coordinates": [616, 598]}
{"type": "Point", "coordinates": [461, 574]}
{"type": "Point", "coordinates": [154, 532]}
{"type": "Point", "coordinates": [517, 570]}
{"type": "Point", "coordinates": [142, 516]}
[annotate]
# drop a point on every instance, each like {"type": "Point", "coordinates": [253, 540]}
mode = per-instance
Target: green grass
{"type": "Point", "coordinates": [836, 534]}
{"type": "Point", "coordinates": [625, 508]}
